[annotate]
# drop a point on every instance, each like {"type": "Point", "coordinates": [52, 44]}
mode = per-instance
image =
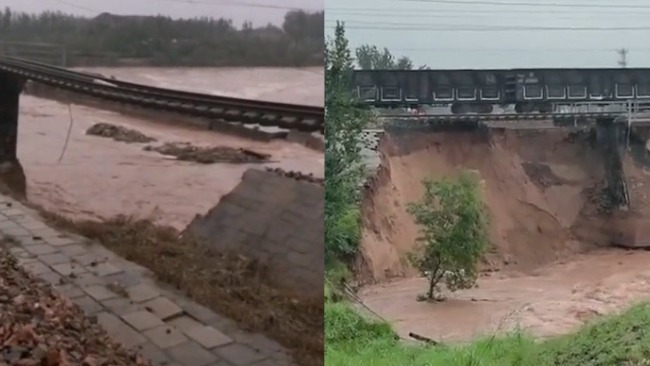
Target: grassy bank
{"type": "Point", "coordinates": [621, 340]}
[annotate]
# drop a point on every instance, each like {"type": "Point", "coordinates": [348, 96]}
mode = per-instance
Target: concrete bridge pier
{"type": "Point", "coordinates": [12, 176]}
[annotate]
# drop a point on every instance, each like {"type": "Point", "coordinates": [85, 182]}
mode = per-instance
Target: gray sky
{"type": "Point", "coordinates": [424, 31]}
{"type": "Point", "coordinates": [238, 10]}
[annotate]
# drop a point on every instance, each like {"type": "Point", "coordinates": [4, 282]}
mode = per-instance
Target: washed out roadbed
{"type": "Point", "coordinates": [40, 328]}
{"type": "Point", "coordinates": [227, 283]}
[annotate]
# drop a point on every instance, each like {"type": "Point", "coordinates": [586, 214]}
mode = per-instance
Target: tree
{"type": "Point", "coordinates": [345, 118]}
{"type": "Point", "coordinates": [371, 58]}
{"type": "Point", "coordinates": [453, 233]}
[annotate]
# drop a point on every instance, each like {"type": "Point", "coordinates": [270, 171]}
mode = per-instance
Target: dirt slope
{"type": "Point", "coordinates": [537, 185]}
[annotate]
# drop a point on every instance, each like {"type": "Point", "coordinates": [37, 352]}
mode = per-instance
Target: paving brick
{"type": "Point", "coordinates": [69, 290]}
{"type": "Point", "coordinates": [31, 240]}
{"type": "Point", "coordinates": [209, 337]}
{"type": "Point", "coordinates": [125, 279]}
{"type": "Point", "coordinates": [54, 258]}
{"type": "Point", "coordinates": [40, 249]}
{"type": "Point", "coordinates": [119, 331]}
{"type": "Point", "coordinates": [224, 324]}
{"type": "Point", "coordinates": [166, 336]}
{"type": "Point", "coordinates": [259, 342]}
{"type": "Point", "coordinates": [154, 354]}
{"type": "Point", "coordinates": [59, 241]}
{"type": "Point", "coordinates": [51, 277]}
{"type": "Point", "coordinates": [37, 268]}
{"type": "Point", "coordinates": [163, 308]}
{"type": "Point", "coordinates": [88, 305]}
{"type": "Point", "coordinates": [190, 353]}
{"type": "Point", "coordinates": [23, 261]}
{"type": "Point", "coordinates": [141, 293]}
{"type": "Point", "coordinates": [282, 358]}
{"type": "Point", "coordinates": [16, 231]}
{"type": "Point", "coordinates": [73, 249]}
{"type": "Point", "coordinates": [100, 292]}
{"type": "Point", "coordinates": [67, 269]}
{"type": "Point", "coordinates": [269, 362]}
{"type": "Point", "coordinates": [105, 269]}
{"type": "Point", "coordinates": [239, 354]}
{"type": "Point", "coordinates": [87, 259]}
{"type": "Point", "coordinates": [19, 252]}
{"type": "Point", "coordinates": [142, 320]}
{"type": "Point", "coordinates": [32, 224]}
{"type": "Point", "coordinates": [87, 279]}
{"type": "Point", "coordinates": [120, 306]}
{"type": "Point", "coordinates": [184, 323]}
{"type": "Point", "coordinates": [198, 312]}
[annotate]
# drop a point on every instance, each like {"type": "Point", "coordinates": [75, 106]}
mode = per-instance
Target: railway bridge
{"type": "Point", "coordinates": [15, 73]}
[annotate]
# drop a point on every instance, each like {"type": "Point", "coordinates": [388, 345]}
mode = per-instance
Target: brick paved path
{"type": "Point", "coordinates": [166, 327]}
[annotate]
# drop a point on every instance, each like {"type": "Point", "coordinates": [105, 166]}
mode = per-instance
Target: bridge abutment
{"type": "Point", "coordinates": [11, 171]}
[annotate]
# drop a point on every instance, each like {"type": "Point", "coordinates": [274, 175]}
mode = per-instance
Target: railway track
{"type": "Point", "coordinates": [507, 116]}
{"type": "Point", "coordinates": [252, 112]}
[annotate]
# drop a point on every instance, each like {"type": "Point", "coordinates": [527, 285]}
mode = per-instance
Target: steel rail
{"type": "Point", "coordinates": [288, 116]}
{"type": "Point", "coordinates": [500, 117]}
{"type": "Point", "coordinates": [135, 86]}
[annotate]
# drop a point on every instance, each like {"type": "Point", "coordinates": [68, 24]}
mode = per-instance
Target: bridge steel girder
{"type": "Point", "coordinates": [11, 171]}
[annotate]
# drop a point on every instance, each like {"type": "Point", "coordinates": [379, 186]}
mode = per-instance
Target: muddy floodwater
{"type": "Point", "coordinates": [100, 178]}
{"type": "Point", "coordinates": [552, 301]}
{"type": "Point", "coordinates": [284, 85]}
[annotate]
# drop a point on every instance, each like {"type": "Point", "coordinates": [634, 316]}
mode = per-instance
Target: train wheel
{"type": "Point", "coordinates": [545, 108]}
{"type": "Point", "coordinates": [519, 108]}
{"type": "Point", "coordinates": [485, 108]}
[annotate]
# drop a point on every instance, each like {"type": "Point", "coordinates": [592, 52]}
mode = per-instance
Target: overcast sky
{"type": "Point", "coordinates": [239, 10]}
{"type": "Point", "coordinates": [436, 32]}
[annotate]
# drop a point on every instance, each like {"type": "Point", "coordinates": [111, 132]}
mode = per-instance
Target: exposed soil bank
{"type": "Point", "coordinates": [535, 186]}
{"type": "Point", "coordinates": [550, 249]}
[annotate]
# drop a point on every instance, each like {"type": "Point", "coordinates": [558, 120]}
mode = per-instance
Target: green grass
{"type": "Point", "coordinates": [622, 340]}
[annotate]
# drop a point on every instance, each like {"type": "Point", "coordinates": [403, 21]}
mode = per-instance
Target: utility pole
{"type": "Point", "coordinates": [622, 53]}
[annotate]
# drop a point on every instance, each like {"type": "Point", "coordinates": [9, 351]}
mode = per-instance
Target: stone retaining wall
{"type": "Point", "coordinates": [275, 219]}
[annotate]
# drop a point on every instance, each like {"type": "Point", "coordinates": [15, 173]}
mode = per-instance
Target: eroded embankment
{"type": "Point", "coordinates": [541, 189]}
{"type": "Point", "coordinates": [550, 267]}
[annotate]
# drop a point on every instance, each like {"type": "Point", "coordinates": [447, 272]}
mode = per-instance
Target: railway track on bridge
{"type": "Point", "coordinates": [244, 111]}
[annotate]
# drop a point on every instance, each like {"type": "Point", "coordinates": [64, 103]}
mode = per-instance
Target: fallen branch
{"type": "Point", "coordinates": [424, 339]}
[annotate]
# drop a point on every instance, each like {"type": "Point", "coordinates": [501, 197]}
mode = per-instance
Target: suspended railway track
{"type": "Point", "coordinates": [252, 112]}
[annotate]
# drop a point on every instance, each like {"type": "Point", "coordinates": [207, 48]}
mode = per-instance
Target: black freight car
{"type": "Point", "coordinates": [477, 91]}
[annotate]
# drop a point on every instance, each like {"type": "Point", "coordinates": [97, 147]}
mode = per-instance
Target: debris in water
{"type": "Point", "coordinates": [209, 155]}
{"type": "Point", "coordinates": [118, 133]}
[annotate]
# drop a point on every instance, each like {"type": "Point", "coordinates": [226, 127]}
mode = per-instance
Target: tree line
{"type": "Point", "coordinates": [372, 58]}
{"type": "Point", "coordinates": [163, 41]}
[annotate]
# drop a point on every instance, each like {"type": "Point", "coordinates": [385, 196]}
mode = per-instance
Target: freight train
{"type": "Point", "coordinates": [478, 91]}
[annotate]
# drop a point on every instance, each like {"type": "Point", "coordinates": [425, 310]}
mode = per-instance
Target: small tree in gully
{"type": "Point", "coordinates": [453, 233]}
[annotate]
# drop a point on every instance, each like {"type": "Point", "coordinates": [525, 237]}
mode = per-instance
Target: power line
{"type": "Point", "coordinates": [446, 13]}
{"type": "Point", "coordinates": [77, 6]}
{"type": "Point", "coordinates": [474, 28]}
{"type": "Point", "coordinates": [393, 11]}
{"type": "Point", "coordinates": [445, 49]}
{"type": "Point", "coordinates": [545, 5]}
{"type": "Point", "coordinates": [201, 2]}
{"type": "Point", "coordinates": [244, 4]}
{"type": "Point", "coordinates": [437, 25]}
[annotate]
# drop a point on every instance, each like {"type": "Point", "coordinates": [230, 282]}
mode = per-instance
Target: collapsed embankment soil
{"type": "Point", "coordinates": [535, 185]}
{"type": "Point", "coordinates": [550, 265]}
